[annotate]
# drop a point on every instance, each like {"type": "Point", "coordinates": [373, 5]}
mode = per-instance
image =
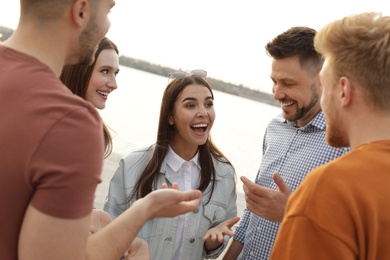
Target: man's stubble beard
{"type": "Point", "coordinates": [88, 42]}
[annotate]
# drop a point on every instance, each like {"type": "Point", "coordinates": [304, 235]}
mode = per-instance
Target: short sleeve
{"type": "Point", "coordinates": [66, 167]}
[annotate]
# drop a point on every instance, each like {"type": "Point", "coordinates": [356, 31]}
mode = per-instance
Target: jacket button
{"type": "Point", "coordinates": [192, 240]}
{"type": "Point", "coordinates": [196, 211]}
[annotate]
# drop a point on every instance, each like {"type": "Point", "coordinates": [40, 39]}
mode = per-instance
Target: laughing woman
{"type": "Point", "coordinates": [96, 81]}
{"type": "Point", "coordinates": [184, 157]}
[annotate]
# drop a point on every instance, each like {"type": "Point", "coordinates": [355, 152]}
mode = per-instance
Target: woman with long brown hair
{"type": "Point", "coordinates": [184, 157]}
{"type": "Point", "coordinates": [96, 81]}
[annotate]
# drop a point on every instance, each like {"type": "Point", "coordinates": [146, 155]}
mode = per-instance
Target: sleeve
{"type": "Point", "coordinates": [239, 234]}
{"type": "Point", "coordinates": [117, 196]}
{"type": "Point", "coordinates": [66, 166]}
{"type": "Point", "coordinates": [231, 212]}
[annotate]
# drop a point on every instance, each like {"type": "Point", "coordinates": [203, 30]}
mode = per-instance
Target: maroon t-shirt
{"type": "Point", "coordinates": [51, 147]}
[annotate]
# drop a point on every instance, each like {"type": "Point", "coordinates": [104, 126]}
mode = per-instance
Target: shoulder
{"type": "Point", "coordinates": [278, 119]}
{"type": "Point", "coordinates": [223, 168]}
{"type": "Point", "coordinates": [138, 155]}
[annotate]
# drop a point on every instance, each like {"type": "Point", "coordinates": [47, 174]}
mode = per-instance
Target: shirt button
{"type": "Point", "coordinates": [196, 211]}
{"type": "Point", "coordinates": [192, 240]}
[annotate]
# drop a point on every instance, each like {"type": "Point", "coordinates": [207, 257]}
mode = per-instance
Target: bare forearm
{"type": "Point", "coordinates": [112, 241]}
{"type": "Point", "coordinates": [233, 251]}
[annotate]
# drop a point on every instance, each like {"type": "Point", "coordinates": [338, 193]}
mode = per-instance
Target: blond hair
{"type": "Point", "coordinates": [358, 47]}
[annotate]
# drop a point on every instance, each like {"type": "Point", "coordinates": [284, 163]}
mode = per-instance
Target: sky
{"type": "Point", "coordinates": [224, 37]}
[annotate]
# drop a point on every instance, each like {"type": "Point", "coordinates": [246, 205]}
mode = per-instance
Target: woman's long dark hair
{"type": "Point", "coordinates": [76, 77]}
{"type": "Point", "coordinates": [147, 181]}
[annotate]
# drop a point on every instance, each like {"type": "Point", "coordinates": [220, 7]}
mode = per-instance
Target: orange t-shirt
{"type": "Point", "coordinates": [341, 210]}
{"type": "Point", "coordinates": [51, 147]}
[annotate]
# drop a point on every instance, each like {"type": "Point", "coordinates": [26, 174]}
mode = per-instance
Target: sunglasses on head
{"type": "Point", "coordinates": [183, 74]}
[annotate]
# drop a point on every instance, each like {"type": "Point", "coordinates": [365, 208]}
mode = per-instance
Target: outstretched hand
{"type": "Point", "coordinates": [166, 202]}
{"type": "Point", "coordinates": [217, 233]}
{"type": "Point", "coordinates": [266, 203]}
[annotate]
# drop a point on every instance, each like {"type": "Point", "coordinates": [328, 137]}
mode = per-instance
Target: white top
{"type": "Point", "coordinates": [187, 175]}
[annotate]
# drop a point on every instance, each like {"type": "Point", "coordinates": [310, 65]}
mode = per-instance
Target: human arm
{"type": "Point", "coordinates": [138, 248]}
{"type": "Point", "coordinates": [266, 203]}
{"type": "Point", "coordinates": [72, 239]}
{"type": "Point", "coordinates": [217, 236]}
{"type": "Point", "coordinates": [233, 251]}
{"type": "Point", "coordinates": [159, 203]}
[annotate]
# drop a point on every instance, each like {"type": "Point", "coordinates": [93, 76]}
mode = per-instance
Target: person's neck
{"type": "Point", "coordinates": [369, 128]}
{"type": "Point", "coordinates": [42, 45]}
{"type": "Point", "coordinates": [309, 116]}
{"type": "Point", "coordinates": [185, 152]}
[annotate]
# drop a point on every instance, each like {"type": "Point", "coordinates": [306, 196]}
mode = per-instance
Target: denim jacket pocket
{"type": "Point", "coordinates": [214, 213]}
{"type": "Point", "coordinates": [152, 228]}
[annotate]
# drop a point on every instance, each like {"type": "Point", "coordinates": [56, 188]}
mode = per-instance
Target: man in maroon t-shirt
{"type": "Point", "coordinates": [52, 142]}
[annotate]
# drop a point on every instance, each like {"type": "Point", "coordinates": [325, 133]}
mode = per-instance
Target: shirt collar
{"type": "Point", "coordinates": [317, 122]}
{"type": "Point", "coordinates": [174, 161]}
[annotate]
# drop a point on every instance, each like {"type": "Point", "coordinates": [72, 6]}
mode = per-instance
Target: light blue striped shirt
{"type": "Point", "coordinates": [293, 152]}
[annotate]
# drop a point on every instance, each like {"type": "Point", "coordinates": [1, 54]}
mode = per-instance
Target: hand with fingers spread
{"type": "Point", "coordinates": [214, 236]}
{"type": "Point", "coordinates": [266, 203]}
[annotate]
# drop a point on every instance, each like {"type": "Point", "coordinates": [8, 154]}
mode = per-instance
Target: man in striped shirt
{"type": "Point", "coordinates": [294, 143]}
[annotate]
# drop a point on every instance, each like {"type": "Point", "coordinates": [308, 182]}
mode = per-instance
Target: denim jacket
{"type": "Point", "coordinates": [160, 232]}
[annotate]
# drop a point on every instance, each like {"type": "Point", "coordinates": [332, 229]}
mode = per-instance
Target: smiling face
{"type": "Point", "coordinates": [193, 118]}
{"type": "Point", "coordinates": [296, 89]}
{"type": "Point", "coordinates": [103, 78]}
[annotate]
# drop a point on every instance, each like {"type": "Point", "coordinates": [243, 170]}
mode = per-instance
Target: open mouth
{"type": "Point", "coordinates": [199, 127]}
{"type": "Point", "coordinates": [287, 104]}
{"type": "Point", "coordinates": [102, 93]}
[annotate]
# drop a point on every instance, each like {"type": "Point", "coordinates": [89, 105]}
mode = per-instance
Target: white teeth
{"type": "Point", "coordinates": [102, 93]}
{"type": "Point", "coordinates": [286, 104]}
{"type": "Point", "coordinates": [199, 125]}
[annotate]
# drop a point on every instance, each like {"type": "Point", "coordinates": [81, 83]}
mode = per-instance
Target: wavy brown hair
{"type": "Point", "coordinates": [147, 181]}
{"type": "Point", "coordinates": [76, 77]}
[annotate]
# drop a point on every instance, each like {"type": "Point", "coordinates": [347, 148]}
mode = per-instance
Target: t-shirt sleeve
{"type": "Point", "coordinates": [66, 167]}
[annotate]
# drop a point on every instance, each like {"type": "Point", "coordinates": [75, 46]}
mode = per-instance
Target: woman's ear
{"type": "Point", "coordinates": [171, 122]}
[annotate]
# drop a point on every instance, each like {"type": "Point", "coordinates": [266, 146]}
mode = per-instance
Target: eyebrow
{"type": "Point", "coordinates": [194, 99]}
{"type": "Point", "coordinates": [107, 67]}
